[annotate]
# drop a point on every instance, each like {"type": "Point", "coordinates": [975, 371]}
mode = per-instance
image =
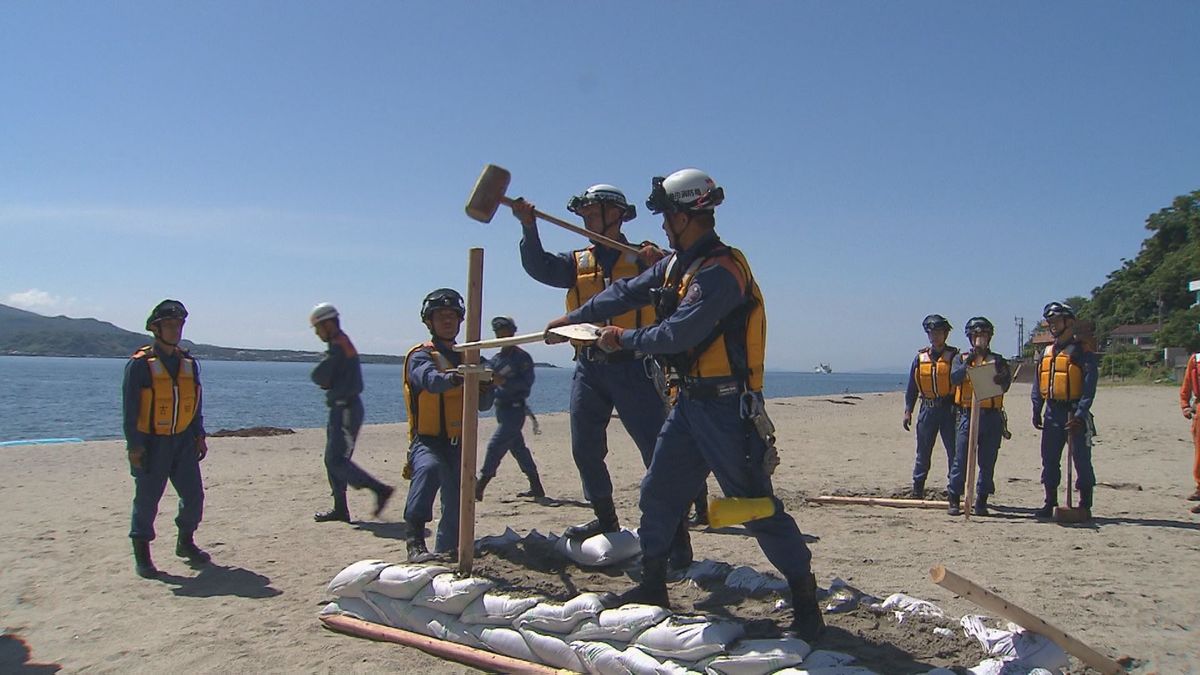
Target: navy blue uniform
{"type": "Point", "coordinates": [937, 417]}
{"type": "Point", "coordinates": [602, 381]}
{"type": "Point", "coordinates": [166, 457]}
{"type": "Point", "coordinates": [991, 432]}
{"type": "Point", "coordinates": [340, 375]}
{"type": "Point", "coordinates": [701, 432]}
{"type": "Point", "coordinates": [515, 365]}
{"type": "Point", "coordinates": [1054, 427]}
{"type": "Point", "coordinates": [436, 460]}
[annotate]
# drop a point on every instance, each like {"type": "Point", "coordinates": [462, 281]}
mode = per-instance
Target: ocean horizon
{"type": "Point", "coordinates": [67, 397]}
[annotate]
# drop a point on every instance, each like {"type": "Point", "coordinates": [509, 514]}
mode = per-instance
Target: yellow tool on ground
{"type": "Point", "coordinates": [726, 511]}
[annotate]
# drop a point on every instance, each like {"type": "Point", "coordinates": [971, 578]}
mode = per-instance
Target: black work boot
{"type": "Point", "coordinates": [954, 509]}
{"type": "Point", "coordinates": [606, 521]}
{"type": "Point", "coordinates": [679, 558]}
{"type": "Point", "coordinates": [981, 507]}
{"type": "Point", "coordinates": [536, 491]}
{"type": "Point", "coordinates": [185, 547]}
{"type": "Point", "coordinates": [141, 559]}
{"type": "Point", "coordinates": [1047, 510]}
{"type": "Point", "coordinates": [415, 543]}
{"type": "Point", "coordinates": [383, 493]}
{"type": "Point", "coordinates": [1085, 501]}
{"type": "Point", "coordinates": [333, 515]}
{"type": "Point", "coordinates": [807, 621]}
{"type": "Point", "coordinates": [700, 517]}
{"type": "Point", "coordinates": [481, 484]}
{"type": "Point", "coordinates": [918, 490]}
{"type": "Point", "coordinates": [652, 590]}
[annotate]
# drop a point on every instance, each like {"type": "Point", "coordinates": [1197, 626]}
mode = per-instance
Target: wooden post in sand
{"type": "Point", "coordinates": [972, 453]}
{"type": "Point", "coordinates": [878, 501]}
{"type": "Point", "coordinates": [998, 605]}
{"type": "Point", "coordinates": [468, 442]}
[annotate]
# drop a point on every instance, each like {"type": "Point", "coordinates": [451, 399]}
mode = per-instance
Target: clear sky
{"type": "Point", "coordinates": [881, 160]}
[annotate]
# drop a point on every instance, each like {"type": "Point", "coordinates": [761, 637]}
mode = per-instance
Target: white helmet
{"type": "Point", "coordinates": [322, 312]}
{"type": "Point", "coordinates": [603, 192]}
{"type": "Point", "coordinates": [685, 190]}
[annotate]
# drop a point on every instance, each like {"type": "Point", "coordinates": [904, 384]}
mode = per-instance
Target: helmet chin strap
{"type": "Point", "coordinates": [678, 235]}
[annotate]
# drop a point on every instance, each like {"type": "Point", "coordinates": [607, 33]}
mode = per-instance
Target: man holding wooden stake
{"type": "Point", "coordinates": [990, 424]}
{"type": "Point", "coordinates": [712, 337]}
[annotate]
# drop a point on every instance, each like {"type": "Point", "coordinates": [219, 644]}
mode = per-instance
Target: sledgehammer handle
{"type": "Point", "coordinates": [598, 238]}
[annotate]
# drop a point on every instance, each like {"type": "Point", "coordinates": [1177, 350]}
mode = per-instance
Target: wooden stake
{"type": "Point", "coordinates": [998, 605]}
{"type": "Point", "coordinates": [972, 454]}
{"type": "Point", "coordinates": [478, 658]}
{"type": "Point", "coordinates": [470, 418]}
{"type": "Point", "coordinates": [878, 501]}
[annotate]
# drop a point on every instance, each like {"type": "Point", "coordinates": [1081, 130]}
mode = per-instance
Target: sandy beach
{"type": "Point", "coordinates": [1126, 584]}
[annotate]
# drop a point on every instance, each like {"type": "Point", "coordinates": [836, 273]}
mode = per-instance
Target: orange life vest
{"type": "Point", "coordinates": [431, 414]}
{"type": "Point", "coordinates": [1060, 378]}
{"type": "Point", "coordinates": [590, 280]}
{"type": "Point", "coordinates": [169, 404]}
{"type": "Point", "coordinates": [933, 375]}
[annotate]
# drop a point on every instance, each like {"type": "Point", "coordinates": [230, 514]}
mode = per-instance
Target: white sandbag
{"type": "Point", "coordinates": [451, 595]}
{"type": "Point", "coordinates": [824, 658]}
{"type": "Point", "coordinates": [402, 582]}
{"type": "Point", "coordinates": [350, 582]}
{"type": "Point", "coordinates": [602, 658]}
{"type": "Point", "coordinates": [552, 650]}
{"type": "Point", "coordinates": [621, 624]}
{"type": "Point", "coordinates": [753, 582]}
{"type": "Point", "coordinates": [689, 638]}
{"type": "Point", "coordinates": [707, 571]}
{"type": "Point", "coordinates": [905, 606]}
{"type": "Point", "coordinates": [420, 620]}
{"type": "Point", "coordinates": [561, 618]}
{"type": "Point", "coordinates": [827, 670]}
{"type": "Point", "coordinates": [355, 607]}
{"type": "Point", "coordinates": [393, 611]}
{"type": "Point", "coordinates": [496, 610]}
{"type": "Point", "coordinates": [669, 667]}
{"type": "Point", "coordinates": [1012, 643]}
{"type": "Point", "coordinates": [759, 657]}
{"type": "Point", "coordinates": [504, 641]}
{"type": "Point", "coordinates": [601, 550]}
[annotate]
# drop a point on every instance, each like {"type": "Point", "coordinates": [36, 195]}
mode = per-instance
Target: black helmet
{"type": "Point", "coordinates": [1058, 309]}
{"type": "Point", "coordinates": [935, 322]}
{"type": "Point", "coordinates": [602, 193]}
{"type": "Point", "coordinates": [979, 324]}
{"type": "Point", "coordinates": [504, 322]}
{"type": "Point", "coordinates": [442, 297]}
{"type": "Point", "coordinates": [167, 309]}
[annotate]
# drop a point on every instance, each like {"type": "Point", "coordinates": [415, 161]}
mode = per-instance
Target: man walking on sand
{"type": "Point", "coordinates": [513, 376]}
{"type": "Point", "coordinates": [164, 436]}
{"type": "Point", "coordinates": [340, 375]}
{"type": "Point", "coordinates": [1189, 394]}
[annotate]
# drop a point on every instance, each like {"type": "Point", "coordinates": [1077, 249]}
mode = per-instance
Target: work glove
{"type": "Point", "coordinates": [609, 338]}
{"type": "Point", "coordinates": [650, 253]}
{"type": "Point", "coordinates": [1074, 424]}
{"type": "Point", "coordinates": [907, 420]}
{"type": "Point", "coordinates": [135, 457]}
{"type": "Point", "coordinates": [407, 472]}
{"type": "Point", "coordinates": [1189, 412]}
{"type": "Point", "coordinates": [554, 338]}
{"type": "Point", "coordinates": [1037, 420]}
{"type": "Point", "coordinates": [201, 449]}
{"type": "Point", "coordinates": [523, 210]}
{"type": "Point", "coordinates": [771, 460]}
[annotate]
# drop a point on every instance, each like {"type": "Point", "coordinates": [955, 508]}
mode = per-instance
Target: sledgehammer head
{"type": "Point", "coordinates": [489, 191]}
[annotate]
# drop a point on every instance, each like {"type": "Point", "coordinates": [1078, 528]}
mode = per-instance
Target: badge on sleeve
{"type": "Point", "coordinates": [693, 294]}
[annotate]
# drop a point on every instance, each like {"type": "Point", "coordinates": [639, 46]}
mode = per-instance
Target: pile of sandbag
{"type": "Point", "coordinates": [607, 549]}
{"type": "Point", "coordinates": [580, 634]}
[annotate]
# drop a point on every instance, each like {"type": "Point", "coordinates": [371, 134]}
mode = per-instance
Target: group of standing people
{"type": "Point", "coordinates": [1064, 387]}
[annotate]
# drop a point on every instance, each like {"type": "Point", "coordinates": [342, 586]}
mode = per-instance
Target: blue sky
{"type": "Point", "coordinates": [881, 160]}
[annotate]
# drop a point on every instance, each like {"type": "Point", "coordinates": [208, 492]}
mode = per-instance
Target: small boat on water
{"type": "Point", "coordinates": [822, 368]}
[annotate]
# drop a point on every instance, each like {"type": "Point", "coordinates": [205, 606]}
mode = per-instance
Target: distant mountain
{"type": "Point", "coordinates": [25, 333]}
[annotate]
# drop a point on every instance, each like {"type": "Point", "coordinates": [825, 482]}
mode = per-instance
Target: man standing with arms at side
{"type": "Point", "coordinates": [929, 377]}
{"type": "Point", "coordinates": [1065, 385]}
{"type": "Point", "coordinates": [340, 375]}
{"type": "Point", "coordinates": [1189, 394]}
{"type": "Point", "coordinates": [512, 375]}
{"type": "Point", "coordinates": [164, 435]}
{"type": "Point", "coordinates": [712, 336]}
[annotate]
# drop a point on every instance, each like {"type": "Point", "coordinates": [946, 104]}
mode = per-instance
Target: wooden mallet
{"type": "Point", "coordinates": [489, 194]}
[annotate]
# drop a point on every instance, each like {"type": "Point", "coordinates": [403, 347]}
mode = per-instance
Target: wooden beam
{"type": "Point", "coordinates": [879, 501]}
{"type": "Point", "coordinates": [998, 605]}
